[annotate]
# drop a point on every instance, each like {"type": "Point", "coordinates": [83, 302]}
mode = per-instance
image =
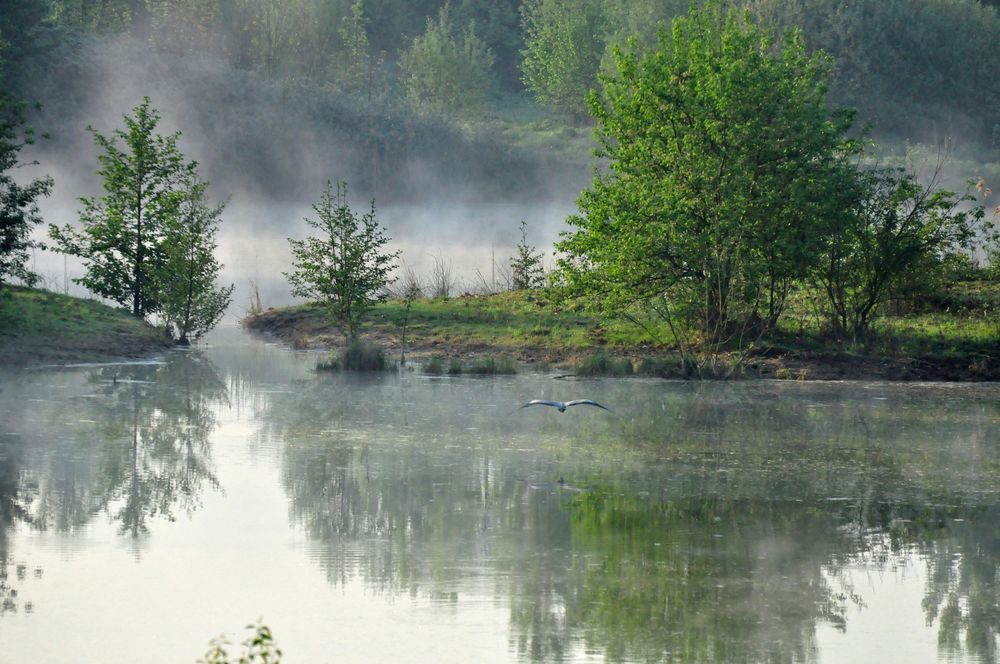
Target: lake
{"type": "Point", "coordinates": [148, 508]}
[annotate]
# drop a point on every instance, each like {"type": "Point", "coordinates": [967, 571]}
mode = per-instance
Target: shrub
{"type": "Point", "coordinates": [434, 366]}
{"type": "Point", "coordinates": [358, 356]}
{"type": "Point", "coordinates": [602, 364]}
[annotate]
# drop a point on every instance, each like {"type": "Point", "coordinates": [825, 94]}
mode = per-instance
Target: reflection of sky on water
{"type": "Point", "coordinates": [421, 519]}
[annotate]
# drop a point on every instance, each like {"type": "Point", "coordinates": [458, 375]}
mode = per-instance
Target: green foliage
{"type": "Point", "coordinates": [346, 269]}
{"type": "Point", "coordinates": [18, 202]}
{"type": "Point", "coordinates": [726, 167]}
{"type": "Point", "coordinates": [259, 648]}
{"type": "Point", "coordinates": [563, 46]}
{"type": "Point", "coordinates": [24, 36]}
{"type": "Point", "coordinates": [149, 242]}
{"type": "Point", "coordinates": [99, 16]}
{"type": "Point", "coordinates": [434, 366]}
{"type": "Point", "coordinates": [192, 303]}
{"type": "Point", "coordinates": [896, 229]}
{"type": "Point", "coordinates": [123, 237]}
{"type": "Point", "coordinates": [602, 364]}
{"type": "Point", "coordinates": [447, 72]}
{"type": "Point", "coordinates": [183, 25]}
{"type": "Point", "coordinates": [526, 268]}
{"type": "Point", "coordinates": [358, 356]}
{"type": "Point", "coordinates": [953, 85]}
{"type": "Point", "coordinates": [454, 366]}
{"type": "Point", "coordinates": [355, 62]}
{"type": "Point", "coordinates": [498, 23]}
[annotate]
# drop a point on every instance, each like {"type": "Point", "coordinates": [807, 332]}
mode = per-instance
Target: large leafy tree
{"type": "Point", "coordinates": [192, 300]}
{"type": "Point", "coordinates": [348, 267]}
{"type": "Point", "coordinates": [726, 168]}
{"type": "Point", "coordinates": [122, 239]}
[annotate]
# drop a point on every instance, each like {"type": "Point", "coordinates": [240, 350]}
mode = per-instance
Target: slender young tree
{"type": "Point", "coordinates": [122, 239]}
{"type": "Point", "coordinates": [347, 268]}
{"type": "Point", "coordinates": [192, 301]}
{"type": "Point", "coordinates": [526, 268]}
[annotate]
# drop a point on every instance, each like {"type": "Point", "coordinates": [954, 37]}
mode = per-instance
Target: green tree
{"type": "Point", "coordinates": [564, 41]}
{"type": "Point", "coordinates": [191, 299]}
{"type": "Point", "coordinates": [18, 202]}
{"type": "Point", "coordinates": [122, 239]}
{"type": "Point", "coordinates": [526, 268]}
{"type": "Point", "coordinates": [347, 268]}
{"type": "Point", "coordinates": [725, 170]}
{"type": "Point", "coordinates": [446, 71]}
{"type": "Point", "coordinates": [895, 226]}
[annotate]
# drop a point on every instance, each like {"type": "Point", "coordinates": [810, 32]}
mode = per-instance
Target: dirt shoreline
{"type": "Point", "coordinates": [26, 353]}
{"type": "Point", "coordinates": [303, 332]}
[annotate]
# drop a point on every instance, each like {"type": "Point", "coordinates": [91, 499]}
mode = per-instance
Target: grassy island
{"type": "Point", "coordinates": [956, 338]}
{"type": "Point", "coordinates": [38, 326]}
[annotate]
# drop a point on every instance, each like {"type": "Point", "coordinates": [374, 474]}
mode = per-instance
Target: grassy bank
{"type": "Point", "coordinates": [959, 343]}
{"type": "Point", "coordinates": [39, 327]}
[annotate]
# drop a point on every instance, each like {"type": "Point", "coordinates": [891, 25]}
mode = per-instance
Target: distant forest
{"type": "Point", "coordinates": [397, 80]}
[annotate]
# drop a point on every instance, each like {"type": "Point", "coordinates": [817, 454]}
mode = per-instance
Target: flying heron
{"type": "Point", "coordinates": [563, 405]}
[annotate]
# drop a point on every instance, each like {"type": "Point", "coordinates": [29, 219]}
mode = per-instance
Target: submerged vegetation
{"type": "Point", "coordinates": [357, 356]}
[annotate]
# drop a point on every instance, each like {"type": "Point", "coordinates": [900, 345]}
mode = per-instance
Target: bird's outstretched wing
{"type": "Point", "coordinates": [586, 402]}
{"type": "Point", "coordinates": [542, 402]}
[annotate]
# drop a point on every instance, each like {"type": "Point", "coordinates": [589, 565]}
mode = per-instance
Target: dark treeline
{"type": "Point", "coordinates": [913, 68]}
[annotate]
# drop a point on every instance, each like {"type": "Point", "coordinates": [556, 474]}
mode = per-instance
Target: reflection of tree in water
{"type": "Point", "coordinates": [147, 453]}
{"type": "Point", "coordinates": [703, 579]}
{"type": "Point", "coordinates": [14, 508]}
{"type": "Point", "coordinates": [722, 530]}
{"type": "Point", "coordinates": [962, 550]}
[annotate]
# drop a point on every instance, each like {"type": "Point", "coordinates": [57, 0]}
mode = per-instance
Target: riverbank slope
{"type": "Point", "coordinates": [41, 327]}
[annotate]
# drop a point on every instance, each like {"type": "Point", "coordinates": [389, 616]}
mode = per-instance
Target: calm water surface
{"type": "Point", "coordinates": [147, 508]}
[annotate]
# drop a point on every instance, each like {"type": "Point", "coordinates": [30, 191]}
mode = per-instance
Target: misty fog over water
{"type": "Point", "coordinates": [270, 150]}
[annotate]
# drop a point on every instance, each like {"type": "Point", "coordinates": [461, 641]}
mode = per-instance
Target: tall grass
{"type": "Point", "coordinates": [602, 364]}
